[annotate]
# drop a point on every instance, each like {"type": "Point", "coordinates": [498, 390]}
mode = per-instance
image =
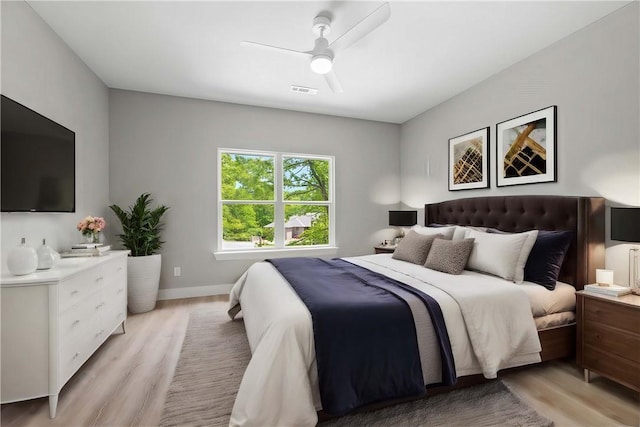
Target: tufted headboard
{"type": "Point", "coordinates": [582, 215]}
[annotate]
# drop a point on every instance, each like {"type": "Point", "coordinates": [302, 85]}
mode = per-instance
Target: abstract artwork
{"type": "Point", "coordinates": [526, 148]}
{"type": "Point", "coordinates": [468, 160]}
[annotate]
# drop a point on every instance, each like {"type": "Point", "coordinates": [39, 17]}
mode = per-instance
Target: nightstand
{"type": "Point", "coordinates": [608, 335]}
{"type": "Point", "coordinates": [384, 249]}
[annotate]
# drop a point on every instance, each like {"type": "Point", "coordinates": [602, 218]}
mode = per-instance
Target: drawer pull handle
{"type": "Point", "coordinates": [74, 292]}
{"type": "Point", "coordinates": [98, 334]}
{"type": "Point", "coordinates": [75, 356]}
{"type": "Point", "coordinates": [75, 322]}
{"type": "Point", "coordinates": [120, 290]}
{"type": "Point", "coordinates": [99, 279]}
{"type": "Point", "coordinates": [99, 305]}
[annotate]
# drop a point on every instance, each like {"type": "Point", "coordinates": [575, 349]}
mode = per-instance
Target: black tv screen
{"type": "Point", "coordinates": [37, 160]}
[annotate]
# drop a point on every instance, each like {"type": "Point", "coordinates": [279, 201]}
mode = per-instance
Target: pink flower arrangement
{"type": "Point", "coordinates": [91, 225]}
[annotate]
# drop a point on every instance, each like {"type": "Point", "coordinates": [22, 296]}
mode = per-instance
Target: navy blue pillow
{"type": "Point", "coordinates": [546, 257]}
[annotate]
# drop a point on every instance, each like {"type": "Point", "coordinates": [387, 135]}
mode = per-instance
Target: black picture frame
{"type": "Point", "coordinates": [469, 160]}
{"type": "Point", "coordinates": [526, 148]}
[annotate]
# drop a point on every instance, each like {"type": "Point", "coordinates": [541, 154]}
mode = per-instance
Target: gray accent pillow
{"type": "Point", "coordinates": [449, 256]}
{"type": "Point", "coordinates": [414, 247]}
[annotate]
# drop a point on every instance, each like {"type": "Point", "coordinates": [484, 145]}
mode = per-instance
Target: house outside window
{"type": "Point", "coordinates": [270, 201]}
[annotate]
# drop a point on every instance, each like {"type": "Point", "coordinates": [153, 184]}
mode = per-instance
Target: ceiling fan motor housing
{"type": "Point", "coordinates": [321, 47]}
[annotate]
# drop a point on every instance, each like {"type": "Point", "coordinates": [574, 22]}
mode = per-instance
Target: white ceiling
{"type": "Point", "coordinates": [426, 53]}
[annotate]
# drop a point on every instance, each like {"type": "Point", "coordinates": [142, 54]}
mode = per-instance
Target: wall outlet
{"type": "Point", "coordinates": [176, 271]}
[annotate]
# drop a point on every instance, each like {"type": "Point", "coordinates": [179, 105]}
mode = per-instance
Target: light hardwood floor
{"type": "Point", "coordinates": [124, 383]}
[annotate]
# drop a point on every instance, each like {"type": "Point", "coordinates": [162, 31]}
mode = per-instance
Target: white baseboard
{"type": "Point", "coordinates": [194, 291]}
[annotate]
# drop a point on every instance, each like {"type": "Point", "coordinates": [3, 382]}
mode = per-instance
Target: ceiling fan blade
{"type": "Point", "coordinates": [273, 48]}
{"type": "Point", "coordinates": [333, 82]}
{"type": "Point", "coordinates": [362, 28]}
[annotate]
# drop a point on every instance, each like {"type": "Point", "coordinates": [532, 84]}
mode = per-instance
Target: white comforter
{"type": "Point", "coordinates": [488, 319]}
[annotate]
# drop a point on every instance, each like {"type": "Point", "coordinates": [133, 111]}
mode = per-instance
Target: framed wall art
{"type": "Point", "coordinates": [469, 160]}
{"type": "Point", "coordinates": [526, 149]}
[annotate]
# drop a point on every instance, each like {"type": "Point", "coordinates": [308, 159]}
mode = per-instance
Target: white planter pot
{"type": "Point", "coordinates": [143, 276]}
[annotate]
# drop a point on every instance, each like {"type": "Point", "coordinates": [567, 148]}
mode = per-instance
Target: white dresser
{"type": "Point", "coordinates": [52, 321]}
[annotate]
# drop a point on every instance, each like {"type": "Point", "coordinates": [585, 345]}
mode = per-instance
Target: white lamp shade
{"type": "Point", "coordinates": [604, 276]}
{"type": "Point", "coordinates": [321, 64]}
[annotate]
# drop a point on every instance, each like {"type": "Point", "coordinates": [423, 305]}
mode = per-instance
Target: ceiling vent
{"type": "Point", "coordinates": [305, 90]}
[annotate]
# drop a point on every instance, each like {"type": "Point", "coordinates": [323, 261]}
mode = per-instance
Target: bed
{"type": "Point", "coordinates": [584, 216]}
{"type": "Point", "coordinates": [280, 385]}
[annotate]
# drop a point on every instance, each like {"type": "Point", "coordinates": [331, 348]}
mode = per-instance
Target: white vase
{"type": "Point", "coordinates": [143, 277]}
{"type": "Point", "coordinates": [47, 257]}
{"type": "Point", "coordinates": [22, 260]}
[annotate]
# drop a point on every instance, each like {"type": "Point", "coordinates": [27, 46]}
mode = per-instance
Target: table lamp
{"type": "Point", "coordinates": [625, 227]}
{"type": "Point", "coordinates": [403, 219]}
{"type": "Point", "coordinates": [604, 277]}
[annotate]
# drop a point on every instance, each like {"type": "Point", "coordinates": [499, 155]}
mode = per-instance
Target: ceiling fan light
{"type": "Point", "coordinates": [321, 64]}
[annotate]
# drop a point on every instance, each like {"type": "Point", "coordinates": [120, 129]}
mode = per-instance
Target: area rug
{"type": "Point", "coordinates": [215, 354]}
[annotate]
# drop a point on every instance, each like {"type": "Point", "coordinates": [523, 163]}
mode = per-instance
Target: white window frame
{"type": "Point", "coordinates": [279, 249]}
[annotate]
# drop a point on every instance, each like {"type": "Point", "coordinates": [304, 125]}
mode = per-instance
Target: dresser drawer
{"type": "Point", "coordinates": [77, 347]}
{"type": "Point", "coordinates": [610, 365]}
{"type": "Point", "coordinates": [115, 295]}
{"type": "Point", "coordinates": [78, 318]}
{"type": "Point", "coordinates": [76, 288]}
{"type": "Point", "coordinates": [114, 287]}
{"type": "Point", "coordinates": [69, 364]}
{"type": "Point", "coordinates": [112, 318]}
{"type": "Point", "coordinates": [614, 341]}
{"type": "Point", "coordinates": [116, 268]}
{"type": "Point", "coordinates": [598, 311]}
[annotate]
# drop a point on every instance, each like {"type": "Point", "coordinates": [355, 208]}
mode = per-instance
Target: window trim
{"type": "Point", "coordinates": [279, 203]}
{"type": "Point", "coordinates": [261, 254]}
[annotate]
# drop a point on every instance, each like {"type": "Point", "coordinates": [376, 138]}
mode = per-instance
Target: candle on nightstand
{"type": "Point", "coordinates": [604, 277]}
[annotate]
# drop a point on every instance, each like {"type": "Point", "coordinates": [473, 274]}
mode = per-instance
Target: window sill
{"type": "Point", "coordinates": [261, 254]}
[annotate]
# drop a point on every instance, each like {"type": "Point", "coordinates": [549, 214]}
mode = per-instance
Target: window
{"type": "Point", "coordinates": [272, 200]}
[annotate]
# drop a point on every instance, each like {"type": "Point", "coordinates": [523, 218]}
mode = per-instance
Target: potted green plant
{"type": "Point", "coordinates": [141, 227]}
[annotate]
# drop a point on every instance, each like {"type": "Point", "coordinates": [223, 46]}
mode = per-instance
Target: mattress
{"type": "Point", "coordinates": [545, 302]}
{"type": "Point", "coordinates": [555, 320]}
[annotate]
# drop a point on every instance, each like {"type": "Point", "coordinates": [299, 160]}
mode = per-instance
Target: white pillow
{"type": "Point", "coordinates": [447, 232]}
{"type": "Point", "coordinates": [461, 231]}
{"type": "Point", "coordinates": [532, 236]}
{"type": "Point", "coordinates": [524, 255]}
{"type": "Point", "coordinates": [497, 254]}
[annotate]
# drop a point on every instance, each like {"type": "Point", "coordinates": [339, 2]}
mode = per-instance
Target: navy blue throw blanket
{"type": "Point", "coordinates": [365, 336]}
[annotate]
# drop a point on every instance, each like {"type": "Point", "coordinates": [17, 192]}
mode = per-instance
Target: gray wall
{"type": "Point", "coordinates": [40, 71]}
{"type": "Point", "coordinates": [592, 76]}
{"type": "Point", "coordinates": [168, 146]}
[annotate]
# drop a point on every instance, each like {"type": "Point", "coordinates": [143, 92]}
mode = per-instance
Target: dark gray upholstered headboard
{"type": "Point", "coordinates": [582, 215]}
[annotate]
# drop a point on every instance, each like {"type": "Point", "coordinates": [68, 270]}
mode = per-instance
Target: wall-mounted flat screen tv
{"type": "Point", "coordinates": [38, 162]}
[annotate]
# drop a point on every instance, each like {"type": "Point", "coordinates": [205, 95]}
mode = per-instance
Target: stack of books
{"type": "Point", "coordinates": [86, 250]}
{"type": "Point", "coordinates": [613, 290]}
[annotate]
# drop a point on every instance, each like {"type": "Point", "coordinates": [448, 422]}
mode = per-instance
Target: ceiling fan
{"type": "Point", "coordinates": [323, 53]}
